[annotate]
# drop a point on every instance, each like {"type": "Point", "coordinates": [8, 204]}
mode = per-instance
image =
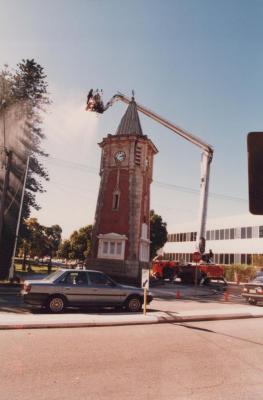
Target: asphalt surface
{"type": "Point", "coordinates": [200, 361]}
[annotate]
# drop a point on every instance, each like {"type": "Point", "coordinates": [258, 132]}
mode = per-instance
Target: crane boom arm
{"type": "Point", "coordinates": [176, 129]}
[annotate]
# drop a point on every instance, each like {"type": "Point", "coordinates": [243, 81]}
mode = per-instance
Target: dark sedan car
{"type": "Point", "coordinates": [253, 291]}
{"type": "Point", "coordinates": [77, 288]}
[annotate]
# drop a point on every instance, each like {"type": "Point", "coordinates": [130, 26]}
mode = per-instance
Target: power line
{"type": "Point", "coordinates": [196, 191]}
{"type": "Point", "coordinates": [165, 185]}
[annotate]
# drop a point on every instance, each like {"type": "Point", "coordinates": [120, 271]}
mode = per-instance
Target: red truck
{"type": "Point", "coordinates": [165, 269]}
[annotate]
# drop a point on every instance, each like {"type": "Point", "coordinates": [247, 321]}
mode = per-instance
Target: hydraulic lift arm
{"type": "Point", "coordinates": [207, 156]}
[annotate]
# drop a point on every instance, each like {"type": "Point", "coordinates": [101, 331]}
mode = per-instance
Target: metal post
{"type": "Point", "coordinates": [204, 187]}
{"type": "Point", "coordinates": [8, 154]}
{"type": "Point", "coordinates": [144, 299]}
{"type": "Point", "coordinates": [12, 268]}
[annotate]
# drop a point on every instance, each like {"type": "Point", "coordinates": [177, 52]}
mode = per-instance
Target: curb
{"type": "Point", "coordinates": [150, 321]}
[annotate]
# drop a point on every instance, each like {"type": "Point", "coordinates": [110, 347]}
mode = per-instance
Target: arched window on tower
{"type": "Point", "coordinates": [116, 200]}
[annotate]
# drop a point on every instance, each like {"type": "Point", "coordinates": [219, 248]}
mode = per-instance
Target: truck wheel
{"type": "Point", "coordinates": [133, 304]}
{"type": "Point", "coordinates": [56, 304]}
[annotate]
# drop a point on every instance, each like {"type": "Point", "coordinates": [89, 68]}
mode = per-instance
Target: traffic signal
{"type": "Point", "coordinates": [255, 172]}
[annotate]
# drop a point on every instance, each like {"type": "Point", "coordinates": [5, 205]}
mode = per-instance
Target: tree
{"type": "Point", "coordinates": [53, 239]}
{"type": "Point", "coordinates": [64, 249]}
{"type": "Point", "coordinates": [40, 240]}
{"type": "Point", "coordinates": [158, 233]}
{"type": "Point", "coordinates": [23, 97]}
{"type": "Point", "coordinates": [29, 85]}
{"type": "Point", "coordinates": [78, 246]}
{"type": "Point", "coordinates": [80, 243]}
{"type": "Point", "coordinates": [34, 243]}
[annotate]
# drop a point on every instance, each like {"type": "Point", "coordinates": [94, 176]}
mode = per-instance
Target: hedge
{"type": "Point", "coordinates": [240, 272]}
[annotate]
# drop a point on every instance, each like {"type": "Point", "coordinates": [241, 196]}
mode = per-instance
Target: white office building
{"type": "Point", "coordinates": [234, 239]}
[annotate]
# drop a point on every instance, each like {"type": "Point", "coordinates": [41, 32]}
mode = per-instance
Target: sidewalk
{"type": "Point", "coordinates": [189, 312]}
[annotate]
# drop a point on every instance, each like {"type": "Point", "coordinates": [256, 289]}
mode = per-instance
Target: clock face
{"type": "Point", "coordinates": [120, 156]}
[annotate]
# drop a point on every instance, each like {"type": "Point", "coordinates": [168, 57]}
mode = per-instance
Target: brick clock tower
{"type": "Point", "coordinates": [121, 232]}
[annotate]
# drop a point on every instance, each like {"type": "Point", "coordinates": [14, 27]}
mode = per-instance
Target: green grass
{"type": "Point", "coordinates": [40, 269]}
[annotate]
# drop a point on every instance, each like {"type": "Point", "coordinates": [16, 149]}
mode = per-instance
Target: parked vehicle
{"type": "Point", "coordinates": [253, 290]}
{"type": "Point", "coordinates": [165, 269]}
{"type": "Point", "coordinates": [71, 287]}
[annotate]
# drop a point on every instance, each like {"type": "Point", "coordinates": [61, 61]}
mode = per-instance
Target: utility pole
{"type": "Point", "coordinates": [12, 268]}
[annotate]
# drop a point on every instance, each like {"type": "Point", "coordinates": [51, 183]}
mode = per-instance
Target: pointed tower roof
{"type": "Point", "coordinates": [130, 122]}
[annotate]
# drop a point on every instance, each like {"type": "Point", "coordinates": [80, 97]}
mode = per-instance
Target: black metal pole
{"type": "Point", "coordinates": [4, 192]}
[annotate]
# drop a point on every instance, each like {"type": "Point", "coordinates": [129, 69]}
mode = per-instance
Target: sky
{"type": "Point", "coordinates": [197, 63]}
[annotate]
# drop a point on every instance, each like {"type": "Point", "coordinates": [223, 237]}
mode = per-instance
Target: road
{"type": "Point", "coordinates": [198, 361]}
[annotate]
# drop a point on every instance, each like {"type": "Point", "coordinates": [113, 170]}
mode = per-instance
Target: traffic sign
{"type": "Point", "coordinates": [145, 278]}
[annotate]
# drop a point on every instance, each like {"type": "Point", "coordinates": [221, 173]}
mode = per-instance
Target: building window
{"type": "Point", "coordinates": [249, 259]}
{"type": "Point", "coordinates": [232, 234]}
{"type": "Point", "coordinates": [118, 248]}
{"type": "Point", "coordinates": [212, 235]}
{"type": "Point", "coordinates": [111, 246]}
{"type": "Point", "coordinates": [226, 258]}
{"type": "Point", "coordinates": [261, 231]}
{"type": "Point", "coordinates": [238, 233]}
{"type": "Point", "coordinates": [116, 200]}
{"type": "Point", "coordinates": [222, 234]}
{"type": "Point", "coordinates": [105, 247]}
{"type": "Point", "coordinates": [184, 237]}
{"type": "Point", "coordinates": [243, 258]}
{"type": "Point", "coordinates": [255, 232]}
{"type": "Point", "coordinates": [243, 233]}
{"type": "Point", "coordinates": [226, 234]}
{"type": "Point", "coordinates": [138, 154]}
{"type": "Point", "coordinates": [249, 232]}
{"type": "Point", "coordinates": [217, 234]}
{"type": "Point", "coordinates": [231, 258]}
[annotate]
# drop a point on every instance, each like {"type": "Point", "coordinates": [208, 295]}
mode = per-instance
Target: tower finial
{"type": "Point", "coordinates": [133, 94]}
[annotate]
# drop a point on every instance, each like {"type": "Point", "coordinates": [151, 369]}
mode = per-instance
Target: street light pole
{"type": "Point", "coordinates": [7, 166]}
{"type": "Point", "coordinates": [12, 268]}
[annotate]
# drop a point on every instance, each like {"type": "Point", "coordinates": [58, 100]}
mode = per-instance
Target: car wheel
{"type": "Point", "coordinates": [134, 304]}
{"type": "Point", "coordinates": [252, 301]}
{"type": "Point", "coordinates": [56, 304]}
